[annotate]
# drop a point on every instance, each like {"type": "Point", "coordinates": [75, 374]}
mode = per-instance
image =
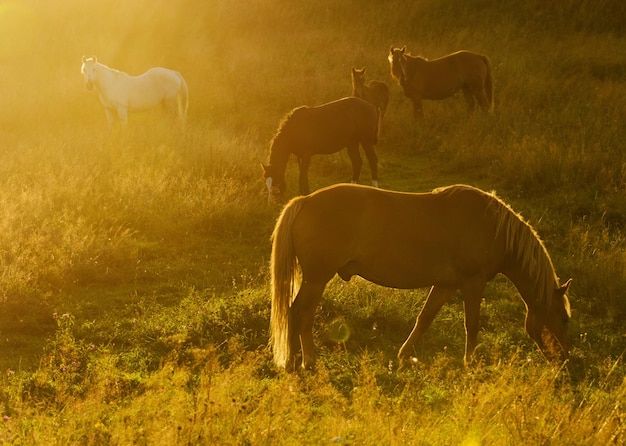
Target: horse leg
{"type": "Point", "coordinates": [302, 316]}
{"type": "Point", "coordinates": [122, 113]}
{"type": "Point", "coordinates": [381, 115]}
{"type": "Point", "coordinates": [534, 327]}
{"type": "Point", "coordinates": [110, 116]}
{"type": "Point", "coordinates": [418, 111]}
{"type": "Point", "coordinates": [469, 99]}
{"type": "Point", "coordinates": [171, 107]}
{"type": "Point", "coordinates": [357, 162]}
{"type": "Point", "coordinates": [373, 162]}
{"type": "Point", "coordinates": [435, 300]}
{"type": "Point", "coordinates": [303, 163]}
{"type": "Point", "coordinates": [472, 297]}
{"type": "Point", "coordinates": [481, 97]}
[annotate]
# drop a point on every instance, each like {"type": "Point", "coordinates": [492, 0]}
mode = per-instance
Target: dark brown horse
{"type": "Point", "coordinates": [375, 92]}
{"type": "Point", "coordinates": [441, 78]}
{"type": "Point", "coordinates": [453, 238]}
{"type": "Point", "coordinates": [325, 129]}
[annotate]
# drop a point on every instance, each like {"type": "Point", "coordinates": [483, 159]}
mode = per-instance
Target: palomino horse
{"type": "Point", "coordinates": [120, 93]}
{"type": "Point", "coordinates": [441, 78]}
{"type": "Point", "coordinates": [453, 238]}
{"type": "Point", "coordinates": [325, 129]}
{"type": "Point", "coordinates": [374, 92]}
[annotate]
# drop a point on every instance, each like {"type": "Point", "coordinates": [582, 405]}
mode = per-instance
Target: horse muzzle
{"type": "Point", "coordinates": [89, 85]}
{"type": "Point", "coordinates": [268, 185]}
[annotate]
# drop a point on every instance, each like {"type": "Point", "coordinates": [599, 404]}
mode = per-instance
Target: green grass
{"type": "Point", "coordinates": [134, 288]}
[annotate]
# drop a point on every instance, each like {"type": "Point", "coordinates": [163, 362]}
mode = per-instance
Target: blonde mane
{"type": "Point", "coordinates": [524, 244]}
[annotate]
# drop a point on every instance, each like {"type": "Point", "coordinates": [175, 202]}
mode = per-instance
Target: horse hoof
{"type": "Point", "coordinates": [406, 363]}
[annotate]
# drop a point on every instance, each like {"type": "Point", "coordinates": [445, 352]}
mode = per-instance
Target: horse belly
{"type": "Point", "coordinates": [151, 89]}
{"type": "Point", "coordinates": [406, 276]}
{"type": "Point", "coordinates": [324, 141]}
{"type": "Point", "coordinates": [407, 265]}
{"type": "Point", "coordinates": [144, 98]}
{"type": "Point", "coordinates": [442, 87]}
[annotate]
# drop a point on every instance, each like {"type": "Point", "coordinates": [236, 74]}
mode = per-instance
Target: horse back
{"type": "Point", "coordinates": [397, 239]}
{"type": "Point", "coordinates": [154, 86]}
{"type": "Point", "coordinates": [330, 127]}
{"type": "Point", "coordinates": [441, 78]}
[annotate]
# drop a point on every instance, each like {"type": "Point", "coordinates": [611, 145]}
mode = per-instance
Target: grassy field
{"type": "Point", "coordinates": [134, 283]}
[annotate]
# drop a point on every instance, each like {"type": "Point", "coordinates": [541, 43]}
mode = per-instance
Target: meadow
{"type": "Point", "coordinates": [134, 263]}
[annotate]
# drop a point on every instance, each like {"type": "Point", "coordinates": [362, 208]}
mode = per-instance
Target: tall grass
{"type": "Point", "coordinates": [134, 298]}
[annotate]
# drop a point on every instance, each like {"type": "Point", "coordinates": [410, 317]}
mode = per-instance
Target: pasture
{"type": "Point", "coordinates": [134, 263]}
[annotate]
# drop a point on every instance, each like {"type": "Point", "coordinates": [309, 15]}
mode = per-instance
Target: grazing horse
{"type": "Point", "coordinates": [120, 92]}
{"type": "Point", "coordinates": [441, 78]}
{"type": "Point", "coordinates": [325, 129]}
{"type": "Point", "coordinates": [374, 92]}
{"type": "Point", "coordinates": [453, 238]}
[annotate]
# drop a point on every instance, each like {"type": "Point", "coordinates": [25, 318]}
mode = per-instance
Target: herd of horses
{"type": "Point", "coordinates": [455, 238]}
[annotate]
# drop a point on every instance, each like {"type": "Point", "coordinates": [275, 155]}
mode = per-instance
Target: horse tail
{"type": "Point", "coordinates": [183, 101]}
{"type": "Point", "coordinates": [283, 269]}
{"type": "Point", "coordinates": [489, 84]}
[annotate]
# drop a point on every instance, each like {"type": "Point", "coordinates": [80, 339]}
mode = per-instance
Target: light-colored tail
{"type": "Point", "coordinates": [183, 102]}
{"type": "Point", "coordinates": [489, 84]}
{"type": "Point", "coordinates": [283, 267]}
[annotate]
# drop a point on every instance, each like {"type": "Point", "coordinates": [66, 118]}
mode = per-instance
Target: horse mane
{"type": "Point", "coordinates": [524, 244]}
{"type": "Point", "coordinates": [108, 68]}
{"type": "Point", "coordinates": [283, 130]}
{"type": "Point", "coordinates": [284, 124]}
{"type": "Point", "coordinates": [417, 57]}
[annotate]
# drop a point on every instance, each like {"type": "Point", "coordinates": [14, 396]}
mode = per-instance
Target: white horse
{"type": "Point", "coordinates": [120, 92]}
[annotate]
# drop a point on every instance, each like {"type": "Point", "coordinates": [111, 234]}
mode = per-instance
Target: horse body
{"type": "Point", "coordinates": [455, 238]}
{"type": "Point", "coordinates": [441, 78]}
{"type": "Point", "coordinates": [120, 92]}
{"type": "Point", "coordinates": [375, 92]}
{"type": "Point", "coordinates": [325, 129]}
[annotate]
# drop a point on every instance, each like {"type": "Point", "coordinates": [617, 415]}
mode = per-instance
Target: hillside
{"type": "Point", "coordinates": [134, 284]}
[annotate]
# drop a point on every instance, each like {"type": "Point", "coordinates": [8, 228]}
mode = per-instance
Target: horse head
{"type": "Point", "coordinates": [548, 327]}
{"type": "Point", "coordinates": [397, 64]}
{"type": "Point", "coordinates": [274, 181]}
{"type": "Point", "coordinates": [358, 81]}
{"type": "Point", "coordinates": [88, 70]}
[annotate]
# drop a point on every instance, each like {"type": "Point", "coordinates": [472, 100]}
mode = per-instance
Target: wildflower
{"type": "Point", "coordinates": [6, 418]}
{"type": "Point", "coordinates": [10, 372]}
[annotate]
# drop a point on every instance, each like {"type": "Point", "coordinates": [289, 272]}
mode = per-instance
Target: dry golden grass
{"type": "Point", "coordinates": [134, 300]}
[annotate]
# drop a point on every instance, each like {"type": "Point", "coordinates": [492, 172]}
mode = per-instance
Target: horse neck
{"type": "Point", "coordinates": [105, 74]}
{"type": "Point", "coordinates": [412, 62]}
{"type": "Point", "coordinates": [533, 276]}
{"type": "Point", "coordinates": [279, 153]}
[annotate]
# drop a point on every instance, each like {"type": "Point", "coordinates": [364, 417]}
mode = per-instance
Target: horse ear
{"type": "Point", "coordinates": [403, 49]}
{"type": "Point", "coordinates": [563, 288]}
{"type": "Point", "coordinates": [84, 59]}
